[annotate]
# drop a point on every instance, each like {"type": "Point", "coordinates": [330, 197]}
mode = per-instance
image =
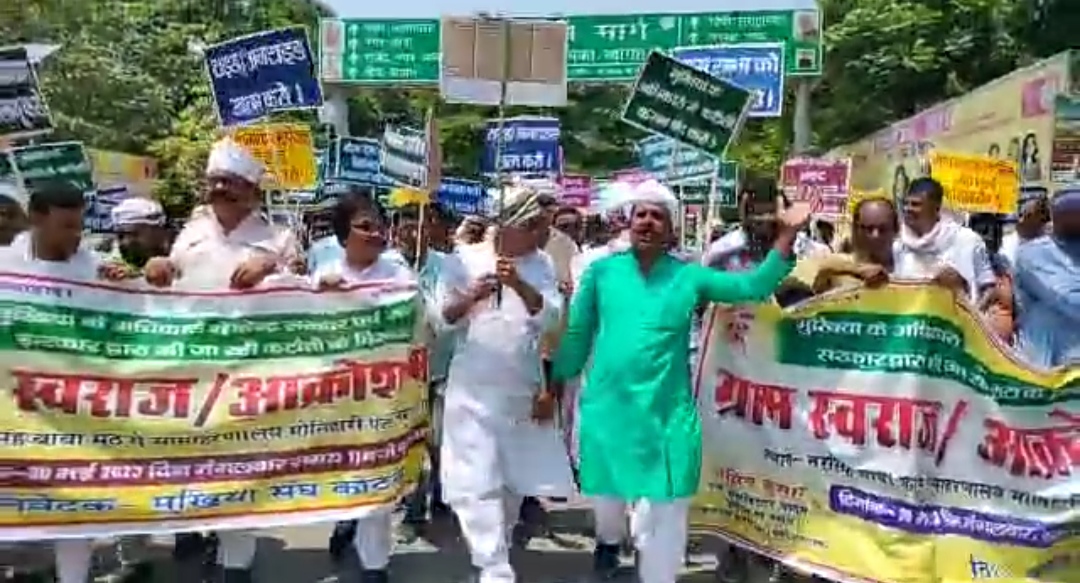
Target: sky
{"type": "Point", "coordinates": [437, 8]}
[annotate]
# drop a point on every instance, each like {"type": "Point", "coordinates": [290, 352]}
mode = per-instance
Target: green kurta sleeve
{"type": "Point", "coordinates": [575, 347]}
{"type": "Point", "coordinates": [743, 287]}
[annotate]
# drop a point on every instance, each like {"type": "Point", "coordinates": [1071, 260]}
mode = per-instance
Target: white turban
{"type": "Point", "coordinates": [137, 210]}
{"type": "Point", "coordinates": [12, 192]}
{"type": "Point", "coordinates": [652, 192]}
{"type": "Point", "coordinates": [228, 156]}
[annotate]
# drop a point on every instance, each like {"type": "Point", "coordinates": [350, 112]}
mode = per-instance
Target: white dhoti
{"type": "Point", "coordinates": [489, 462]}
{"type": "Point", "coordinates": [659, 531]}
{"type": "Point", "coordinates": [374, 540]}
{"type": "Point", "coordinates": [72, 559]}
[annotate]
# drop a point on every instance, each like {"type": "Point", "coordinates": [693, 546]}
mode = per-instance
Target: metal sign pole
{"type": "Point", "coordinates": [672, 164]}
{"type": "Point", "coordinates": [428, 189]}
{"type": "Point", "coordinates": [500, 125]}
{"type": "Point", "coordinates": [710, 206]}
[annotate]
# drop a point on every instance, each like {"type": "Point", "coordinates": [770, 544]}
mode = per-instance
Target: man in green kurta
{"type": "Point", "coordinates": [640, 434]}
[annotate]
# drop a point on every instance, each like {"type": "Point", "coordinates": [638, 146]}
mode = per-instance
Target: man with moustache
{"type": "Point", "coordinates": [640, 434]}
{"type": "Point", "coordinates": [227, 244]}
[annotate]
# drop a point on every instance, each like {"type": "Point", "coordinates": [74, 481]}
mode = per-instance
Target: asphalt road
{"type": "Point", "coordinates": [299, 555]}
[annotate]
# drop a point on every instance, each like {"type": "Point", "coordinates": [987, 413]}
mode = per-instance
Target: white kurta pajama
{"type": "Point", "coordinates": [374, 540]}
{"type": "Point", "coordinates": [492, 452]}
{"type": "Point", "coordinates": [72, 556]}
{"type": "Point", "coordinates": [206, 257]}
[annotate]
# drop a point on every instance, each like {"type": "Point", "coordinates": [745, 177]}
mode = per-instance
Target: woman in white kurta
{"type": "Point", "coordinates": [360, 228]}
{"type": "Point", "coordinates": [498, 442]}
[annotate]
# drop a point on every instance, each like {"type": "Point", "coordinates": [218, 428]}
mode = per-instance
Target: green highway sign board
{"type": "Point", "coordinates": [601, 48]}
{"type": "Point", "coordinates": [380, 52]}
{"type": "Point", "coordinates": [612, 48]}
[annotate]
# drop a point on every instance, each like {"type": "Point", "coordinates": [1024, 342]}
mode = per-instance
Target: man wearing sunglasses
{"type": "Point", "coordinates": [227, 243]}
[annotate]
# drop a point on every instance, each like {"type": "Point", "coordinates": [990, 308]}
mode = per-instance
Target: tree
{"type": "Point", "coordinates": [888, 59]}
{"type": "Point", "coordinates": [130, 77]}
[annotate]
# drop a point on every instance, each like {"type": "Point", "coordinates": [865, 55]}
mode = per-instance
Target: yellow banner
{"type": "Point", "coordinates": [976, 184]}
{"type": "Point", "coordinates": [1011, 118]}
{"type": "Point", "coordinates": [886, 435]}
{"type": "Point", "coordinates": [169, 412]}
{"type": "Point", "coordinates": [138, 173]}
{"type": "Point", "coordinates": [857, 196]}
{"type": "Point", "coordinates": [287, 150]}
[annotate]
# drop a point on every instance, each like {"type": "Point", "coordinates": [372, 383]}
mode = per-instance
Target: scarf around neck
{"type": "Point", "coordinates": [933, 242]}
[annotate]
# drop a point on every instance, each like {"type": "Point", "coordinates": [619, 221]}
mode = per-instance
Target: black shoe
{"type": "Point", "coordinates": [341, 540]}
{"type": "Point", "coordinates": [374, 576]}
{"type": "Point", "coordinates": [531, 511]}
{"type": "Point", "coordinates": [733, 567]}
{"type": "Point", "coordinates": [45, 576]}
{"type": "Point", "coordinates": [605, 560]}
{"type": "Point", "coordinates": [415, 513]}
{"type": "Point", "coordinates": [188, 545]}
{"type": "Point", "coordinates": [238, 576]}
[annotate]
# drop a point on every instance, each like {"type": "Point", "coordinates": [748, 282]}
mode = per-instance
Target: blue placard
{"type": "Point", "coordinates": [356, 161]}
{"type": "Point", "coordinates": [756, 67]}
{"type": "Point", "coordinates": [530, 145]}
{"type": "Point", "coordinates": [461, 195]}
{"type": "Point", "coordinates": [254, 75]}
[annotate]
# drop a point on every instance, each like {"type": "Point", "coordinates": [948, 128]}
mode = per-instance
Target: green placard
{"type": "Point", "coordinates": [686, 105]}
{"type": "Point", "coordinates": [64, 161]}
{"type": "Point", "coordinates": [727, 186]}
{"type": "Point", "coordinates": [601, 48]}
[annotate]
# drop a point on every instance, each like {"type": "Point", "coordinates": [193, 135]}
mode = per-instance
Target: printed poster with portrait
{"type": "Point", "coordinates": [1011, 118]}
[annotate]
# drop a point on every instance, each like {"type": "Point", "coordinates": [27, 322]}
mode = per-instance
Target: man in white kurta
{"type": "Point", "coordinates": [52, 248]}
{"type": "Point", "coordinates": [498, 443]}
{"type": "Point", "coordinates": [227, 244]}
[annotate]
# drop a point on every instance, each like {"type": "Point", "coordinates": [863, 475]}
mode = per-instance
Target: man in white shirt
{"type": "Point", "coordinates": [227, 244]}
{"type": "Point", "coordinates": [1033, 214]}
{"type": "Point", "coordinates": [931, 247]}
{"type": "Point", "coordinates": [498, 444]}
{"type": "Point", "coordinates": [53, 248]}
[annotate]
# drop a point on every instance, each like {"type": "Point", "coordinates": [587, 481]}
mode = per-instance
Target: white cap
{"type": "Point", "coordinates": [137, 210]}
{"type": "Point", "coordinates": [652, 192]}
{"type": "Point", "coordinates": [12, 192]}
{"type": "Point", "coordinates": [228, 156]}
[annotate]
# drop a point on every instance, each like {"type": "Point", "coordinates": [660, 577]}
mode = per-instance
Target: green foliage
{"type": "Point", "coordinates": [888, 59]}
{"type": "Point", "coordinates": [129, 76]}
{"type": "Point", "coordinates": [128, 79]}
